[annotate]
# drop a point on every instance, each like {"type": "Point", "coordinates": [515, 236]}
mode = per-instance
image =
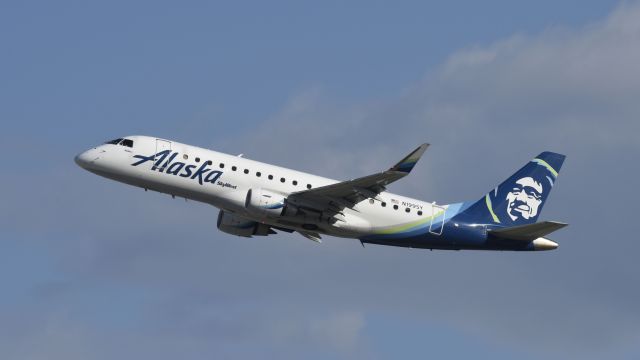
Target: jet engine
{"type": "Point", "coordinates": [240, 226]}
{"type": "Point", "coordinates": [265, 203]}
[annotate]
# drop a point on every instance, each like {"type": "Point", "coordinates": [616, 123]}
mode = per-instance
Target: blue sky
{"type": "Point", "coordinates": [92, 269]}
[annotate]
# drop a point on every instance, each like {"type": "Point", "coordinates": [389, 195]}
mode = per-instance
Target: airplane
{"type": "Point", "coordinates": [259, 199]}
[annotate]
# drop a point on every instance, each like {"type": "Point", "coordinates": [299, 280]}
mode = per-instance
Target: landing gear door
{"type": "Point", "coordinates": [437, 219]}
{"type": "Point", "coordinates": [161, 145]}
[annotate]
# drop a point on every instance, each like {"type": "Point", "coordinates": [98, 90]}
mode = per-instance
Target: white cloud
{"type": "Point", "coordinates": [486, 110]}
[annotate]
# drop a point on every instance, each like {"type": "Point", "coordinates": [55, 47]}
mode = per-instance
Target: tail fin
{"type": "Point", "coordinates": [519, 199]}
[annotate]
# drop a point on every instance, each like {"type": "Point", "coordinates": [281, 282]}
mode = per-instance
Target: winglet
{"type": "Point", "coordinates": [406, 165]}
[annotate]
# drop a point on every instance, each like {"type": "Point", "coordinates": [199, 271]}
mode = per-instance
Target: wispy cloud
{"type": "Point", "coordinates": [173, 285]}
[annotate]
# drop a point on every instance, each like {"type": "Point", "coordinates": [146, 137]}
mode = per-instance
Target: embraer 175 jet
{"type": "Point", "coordinates": [258, 199]}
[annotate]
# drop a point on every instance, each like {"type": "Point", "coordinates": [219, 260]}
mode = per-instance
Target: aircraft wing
{"type": "Point", "coordinates": [347, 194]}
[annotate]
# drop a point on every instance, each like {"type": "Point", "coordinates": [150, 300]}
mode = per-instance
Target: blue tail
{"type": "Point", "coordinates": [519, 199]}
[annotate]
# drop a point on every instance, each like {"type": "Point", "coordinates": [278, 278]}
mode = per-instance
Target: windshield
{"type": "Point", "coordinates": [121, 142]}
{"type": "Point", "coordinates": [114, 142]}
{"type": "Point", "coordinates": [127, 143]}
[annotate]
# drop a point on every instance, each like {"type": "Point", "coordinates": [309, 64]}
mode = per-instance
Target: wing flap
{"type": "Point", "coordinates": [528, 232]}
{"type": "Point", "coordinates": [313, 236]}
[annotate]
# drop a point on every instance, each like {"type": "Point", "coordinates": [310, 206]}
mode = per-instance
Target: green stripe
{"type": "Point", "coordinates": [404, 227]}
{"type": "Point", "coordinates": [545, 164]}
{"type": "Point", "coordinates": [488, 201]}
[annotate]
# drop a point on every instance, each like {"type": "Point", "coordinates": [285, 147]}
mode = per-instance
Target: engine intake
{"type": "Point", "coordinates": [261, 202]}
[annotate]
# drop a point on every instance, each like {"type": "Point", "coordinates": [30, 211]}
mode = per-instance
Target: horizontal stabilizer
{"type": "Point", "coordinates": [528, 232]}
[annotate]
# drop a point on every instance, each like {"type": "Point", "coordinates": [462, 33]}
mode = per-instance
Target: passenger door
{"type": "Point", "coordinates": [437, 212]}
{"type": "Point", "coordinates": [161, 145]}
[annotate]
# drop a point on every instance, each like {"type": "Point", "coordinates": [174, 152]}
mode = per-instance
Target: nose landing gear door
{"type": "Point", "coordinates": [161, 145]}
{"type": "Point", "coordinates": [437, 219]}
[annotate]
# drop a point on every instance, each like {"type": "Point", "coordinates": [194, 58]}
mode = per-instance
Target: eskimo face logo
{"type": "Point", "coordinates": [524, 199]}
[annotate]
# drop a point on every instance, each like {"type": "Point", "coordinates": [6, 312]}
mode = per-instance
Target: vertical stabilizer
{"type": "Point", "coordinates": [520, 198]}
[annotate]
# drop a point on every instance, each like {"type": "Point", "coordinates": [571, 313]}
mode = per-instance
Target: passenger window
{"type": "Point", "coordinates": [282, 180]}
{"type": "Point", "coordinates": [185, 156]}
{"type": "Point", "coordinates": [197, 159]}
{"type": "Point", "coordinates": [419, 212]}
{"type": "Point", "coordinates": [234, 168]}
{"type": "Point", "coordinates": [209, 162]}
{"type": "Point", "coordinates": [384, 204]}
{"type": "Point", "coordinates": [295, 182]}
{"type": "Point", "coordinates": [308, 186]}
{"type": "Point", "coordinates": [246, 171]}
{"type": "Point", "coordinates": [270, 177]}
{"type": "Point", "coordinates": [221, 166]}
{"type": "Point", "coordinates": [258, 174]}
{"type": "Point", "coordinates": [407, 210]}
{"type": "Point", "coordinates": [371, 201]}
{"type": "Point", "coordinates": [395, 207]}
{"type": "Point", "coordinates": [127, 143]}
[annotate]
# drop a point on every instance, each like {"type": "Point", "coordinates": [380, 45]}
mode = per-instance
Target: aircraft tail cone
{"type": "Point", "coordinates": [544, 244]}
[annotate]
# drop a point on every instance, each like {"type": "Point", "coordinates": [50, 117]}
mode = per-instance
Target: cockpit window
{"type": "Point", "coordinates": [127, 143]}
{"type": "Point", "coordinates": [114, 142]}
{"type": "Point", "coordinates": [122, 142]}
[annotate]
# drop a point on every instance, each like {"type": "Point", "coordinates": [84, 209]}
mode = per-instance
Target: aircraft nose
{"type": "Point", "coordinates": [86, 159]}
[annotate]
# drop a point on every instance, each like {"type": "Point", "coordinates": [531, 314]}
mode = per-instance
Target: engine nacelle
{"type": "Point", "coordinates": [240, 226]}
{"type": "Point", "coordinates": [261, 202]}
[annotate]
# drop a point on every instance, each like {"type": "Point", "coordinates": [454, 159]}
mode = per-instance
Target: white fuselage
{"type": "Point", "coordinates": [225, 180]}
